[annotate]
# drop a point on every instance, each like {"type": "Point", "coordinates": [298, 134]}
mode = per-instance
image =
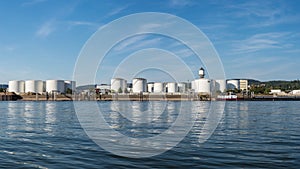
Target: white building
{"type": "Point", "coordinates": [150, 87]}
{"type": "Point", "coordinates": [158, 87]}
{"type": "Point", "coordinates": [118, 85]}
{"type": "Point", "coordinates": [233, 84]}
{"type": "Point", "coordinates": [295, 92]}
{"type": "Point", "coordinates": [220, 85]}
{"type": "Point", "coordinates": [139, 85]}
{"type": "Point", "coordinates": [201, 85]}
{"type": "Point", "coordinates": [243, 84]}
{"type": "Point", "coordinates": [275, 91]}
{"type": "Point", "coordinates": [17, 86]}
{"type": "Point", "coordinates": [55, 86]}
{"type": "Point", "coordinates": [34, 86]}
{"type": "Point", "coordinates": [172, 87]}
{"type": "Point", "coordinates": [182, 87]}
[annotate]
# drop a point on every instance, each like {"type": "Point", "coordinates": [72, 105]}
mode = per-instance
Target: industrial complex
{"type": "Point", "coordinates": [138, 89]}
{"type": "Point", "coordinates": [41, 87]}
{"type": "Point", "coordinates": [200, 86]}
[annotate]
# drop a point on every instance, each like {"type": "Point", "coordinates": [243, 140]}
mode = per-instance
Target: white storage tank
{"type": "Point", "coordinates": [139, 85]}
{"type": "Point", "coordinates": [233, 84]}
{"type": "Point", "coordinates": [150, 87]}
{"type": "Point", "coordinates": [220, 85]}
{"type": "Point", "coordinates": [172, 87]}
{"type": "Point", "coordinates": [201, 86]}
{"type": "Point", "coordinates": [182, 87]}
{"type": "Point", "coordinates": [158, 87]}
{"type": "Point", "coordinates": [17, 86]}
{"type": "Point", "coordinates": [34, 86]}
{"type": "Point", "coordinates": [118, 85]}
{"type": "Point", "coordinates": [55, 86]}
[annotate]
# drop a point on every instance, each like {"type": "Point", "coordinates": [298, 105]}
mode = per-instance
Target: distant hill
{"type": "Point", "coordinates": [284, 85]}
{"type": "Point", "coordinates": [85, 87]}
{"type": "Point", "coordinates": [277, 84]}
{"type": "Point", "coordinates": [253, 82]}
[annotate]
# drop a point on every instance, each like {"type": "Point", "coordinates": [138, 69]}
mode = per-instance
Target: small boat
{"type": "Point", "coordinates": [230, 96]}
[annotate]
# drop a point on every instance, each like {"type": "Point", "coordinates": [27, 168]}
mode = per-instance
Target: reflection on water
{"type": "Point", "coordinates": [50, 116]}
{"type": "Point", "coordinates": [137, 112]}
{"type": "Point", "coordinates": [143, 119]}
{"type": "Point", "coordinates": [249, 135]}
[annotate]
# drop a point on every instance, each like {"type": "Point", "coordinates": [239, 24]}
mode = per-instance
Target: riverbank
{"type": "Point", "coordinates": [138, 97]}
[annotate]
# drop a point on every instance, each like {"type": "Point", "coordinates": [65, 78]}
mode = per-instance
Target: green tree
{"type": "Point", "coordinates": [69, 91]}
{"type": "Point", "coordinates": [120, 90]}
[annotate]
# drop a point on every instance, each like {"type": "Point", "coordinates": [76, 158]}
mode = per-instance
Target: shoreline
{"type": "Point", "coordinates": [141, 97]}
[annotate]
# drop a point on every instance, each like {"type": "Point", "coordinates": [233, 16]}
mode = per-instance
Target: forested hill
{"type": "Point", "coordinates": [277, 84]}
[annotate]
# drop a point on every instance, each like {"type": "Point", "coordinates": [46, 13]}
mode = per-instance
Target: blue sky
{"type": "Point", "coordinates": [41, 39]}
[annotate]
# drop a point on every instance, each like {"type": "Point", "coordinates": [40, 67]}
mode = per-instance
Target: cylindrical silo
{"type": "Point", "coordinates": [34, 86]}
{"type": "Point", "coordinates": [139, 85]}
{"type": "Point", "coordinates": [182, 87]}
{"type": "Point", "coordinates": [55, 86]}
{"type": "Point", "coordinates": [220, 85]}
{"type": "Point", "coordinates": [233, 84]}
{"type": "Point", "coordinates": [158, 87]}
{"type": "Point", "coordinates": [16, 86]}
{"type": "Point", "coordinates": [150, 87]}
{"type": "Point", "coordinates": [172, 87]}
{"type": "Point", "coordinates": [118, 85]}
{"type": "Point", "coordinates": [201, 86]}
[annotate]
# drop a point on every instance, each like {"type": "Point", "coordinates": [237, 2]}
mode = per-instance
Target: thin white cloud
{"type": "Point", "coordinates": [184, 53]}
{"type": "Point", "coordinates": [92, 25]}
{"type": "Point", "coordinates": [135, 43]}
{"type": "Point", "coordinates": [32, 2]}
{"type": "Point", "coordinates": [262, 14]}
{"type": "Point", "coordinates": [277, 21]}
{"type": "Point", "coordinates": [126, 43]}
{"type": "Point", "coordinates": [46, 29]}
{"type": "Point", "coordinates": [295, 51]}
{"type": "Point", "coordinates": [251, 8]}
{"type": "Point", "coordinates": [260, 42]}
{"type": "Point", "coordinates": [146, 43]}
{"type": "Point", "coordinates": [117, 10]}
{"type": "Point", "coordinates": [78, 23]}
{"type": "Point", "coordinates": [268, 72]}
{"type": "Point", "coordinates": [149, 26]}
{"type": "Point", "coordinates": [180, 3]}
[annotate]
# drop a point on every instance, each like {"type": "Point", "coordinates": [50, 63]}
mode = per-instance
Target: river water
{"type": "Point", "coordinates": [249, 135]}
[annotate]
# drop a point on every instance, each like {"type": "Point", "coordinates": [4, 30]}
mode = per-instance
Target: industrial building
{"type": "Point", "coordinates": [201, 85]}
{"type": "Point", "coordinates": [40, 87]}
{"type": "Point", "coordinates": [34, 86]}
{"type": "Point", "coordinates": [233, 84]}
{"type": "Point", "coordinates": [139, 85]}
{"type": "Point", "coordinates": [150, 87]}
{"type": "Point", "coordinates": [182, 87]}
{"type": "Point", "coordinates": [103, 88]}
{"type": "Point", "coordinates": [243, 84]}
{"type": "Point", "coordinates": [55, 86]}
{"type": "Point", "coordinates": [171, 87]}
{"type": "Point", "coordinates": [118, 85]}
{"type": "Point", "coordinates": [158, 87]}
{"type": "Point", "coordinates": [220, 85]}
{"type": "Point", "coordinates": [17, 86]}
